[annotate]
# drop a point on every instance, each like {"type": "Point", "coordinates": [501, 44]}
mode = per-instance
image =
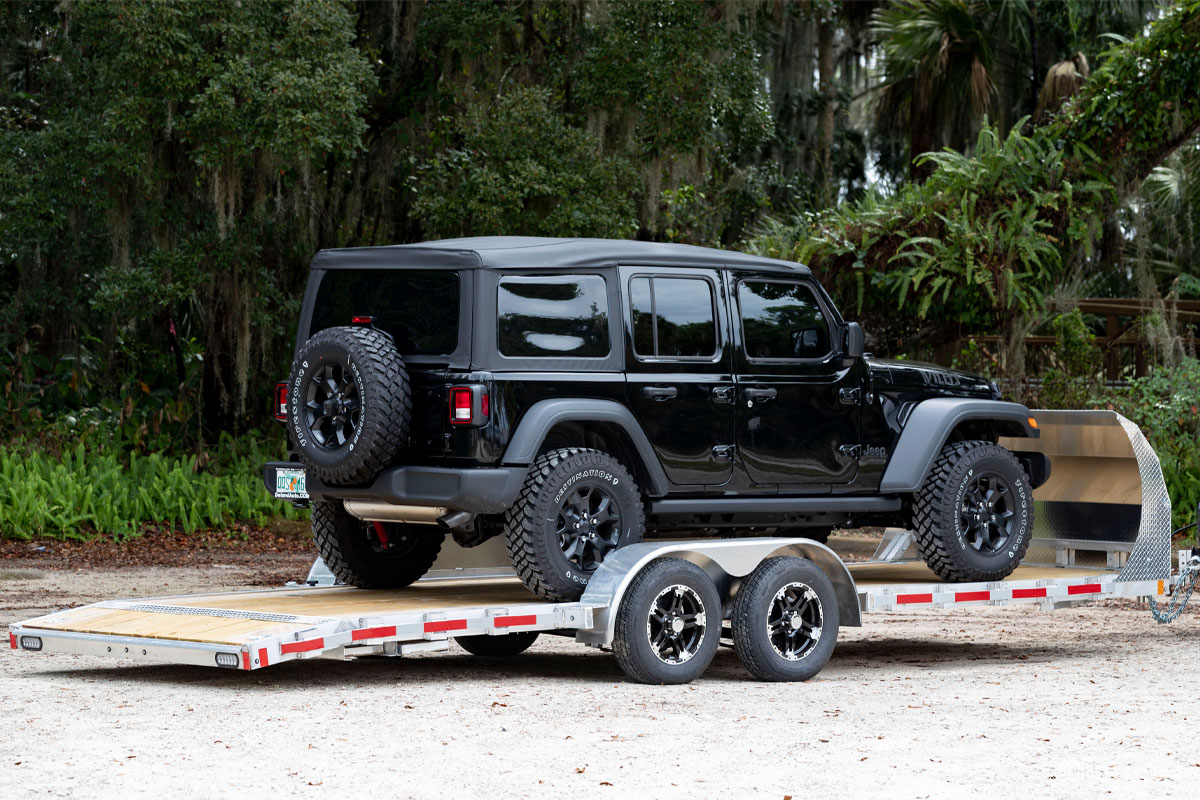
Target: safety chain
{"type": "Point", "coordinates": [1188, 574]}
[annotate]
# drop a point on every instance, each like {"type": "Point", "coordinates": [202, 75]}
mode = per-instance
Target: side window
{"type": "Point", "coordinates": [782, 320]}
{"type": "Point", "coordinates": [672, 317]}
{"type": "Point", "coordinates": [553, 316]}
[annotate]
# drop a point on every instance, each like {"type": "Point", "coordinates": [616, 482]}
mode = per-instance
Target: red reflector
{"type": "Point", "coordinates": [1087, 588]}
{"type": "Point", "coordinates": [913, 598]}
{"type": "Point", "coordinates": [302, 647]}
{"type": "Point", "coordinates": [281, 399]}
{"type": "Point", "coordinates": [373, 633]}
{"type": "Point", "coordinates": [262, 658]}
{"type": "Point", "coordinates": [508, 622]}
{"type": "Point", "coordinates": [484, 405]}
{"type": "Point", "coordinates": [12, 640]}
{"type": "Point", "coordinates": [362, 320]}
{"type": "Point", "coordinates": [1024, 594]}
{"type": "Point", "coordinates": [441, 626]}
{"type": "Point", "coordinates": [460, 406]}
{"type": "Point", "coordinates": [971, 597]}
{"type": "Point", "coordinates": [245, 660]}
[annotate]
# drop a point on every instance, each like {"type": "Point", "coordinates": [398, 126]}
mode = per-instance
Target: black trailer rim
{"type": "Point", "coordinates": [676, 624]}
{"type": "Point", "coordinates": [589, 526]}
{"type": "Point", "coordinates": [795, 620]}
{"type": "Point", "coordinates": [333, 406]}
{"type": "Point", "coordinates": [987, 514]}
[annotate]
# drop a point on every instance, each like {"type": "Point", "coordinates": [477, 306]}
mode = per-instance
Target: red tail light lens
{"type": "Point", "coordinates": [281, 400]}
{"type": "Point", "coordinates": [362, 319]}
{"type": "Point", "coordinates": [469, 405]}
{"type": "Point", "coordinates": [460, 406]}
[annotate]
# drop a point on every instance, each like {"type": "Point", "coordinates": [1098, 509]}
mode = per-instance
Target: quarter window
{"type": "Point", "coordinates": [553, 316]}
{"type": "Point", "coordinates": [672, 317]}
{"type": "Point", "coordinates": [782, 321]}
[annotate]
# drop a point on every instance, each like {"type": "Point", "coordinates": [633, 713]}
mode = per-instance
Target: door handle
{"type": "Point", "coordinates": [660, 393]}
{"type": "Point", "coordinates": [724, 395]}
{"type": "Point", "coordinates": [759, 394]}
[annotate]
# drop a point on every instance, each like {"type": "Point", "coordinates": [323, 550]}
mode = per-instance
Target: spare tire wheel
{"type": "Point", "coordinates": [349, 404]}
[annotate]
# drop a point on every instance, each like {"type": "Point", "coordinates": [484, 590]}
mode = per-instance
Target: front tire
{"type": "Point", "coordinates": [576, 506]}
{"type": "Point", "coordinates": [358, 554]}
{"type": "Point", "coordinates": [668, 623]}
{"type": "Point", "coordinates": [973, 517]}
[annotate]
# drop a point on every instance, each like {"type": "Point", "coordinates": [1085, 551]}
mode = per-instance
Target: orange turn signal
{"type": "Point", "coordinates": [1033, 423]}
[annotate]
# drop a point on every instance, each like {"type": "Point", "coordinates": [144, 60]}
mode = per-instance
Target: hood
{"type": "Point", "coordinates": [915, 378]}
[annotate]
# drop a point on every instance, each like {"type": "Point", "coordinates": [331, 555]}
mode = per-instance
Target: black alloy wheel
{"type": "Point", "coordinates": [332, 408]}
{"type": "Point", "coordinates": [677, 624]}
{"type": "Point", "coordinates": [986, 516]}
{"type": "Point", "coordinates": [589, 525]}
{"type": "Point", "coordinates": [795, 620]}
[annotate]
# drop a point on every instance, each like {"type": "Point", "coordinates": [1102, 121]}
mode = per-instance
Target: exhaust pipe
{"type": "Point", "coordinates": [441, 516]}
{"type": "Point", "coordinates": [390, 512]}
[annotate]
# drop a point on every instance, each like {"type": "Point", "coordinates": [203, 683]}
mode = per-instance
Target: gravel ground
{"type": "Point", "coordinates": [988, 702]}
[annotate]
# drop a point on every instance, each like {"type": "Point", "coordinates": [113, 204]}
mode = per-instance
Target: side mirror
{"type": "Point", "coordinates": [855, 343]}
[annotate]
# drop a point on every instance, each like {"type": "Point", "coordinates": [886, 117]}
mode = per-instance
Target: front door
{"type": "Point", "coordinates": [798, 399]}
{"type": "Point", "coordinates": [679, 365]}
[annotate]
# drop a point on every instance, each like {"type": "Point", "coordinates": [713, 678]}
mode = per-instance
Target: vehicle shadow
{"type": "Point", "coordinates": [851, 661]}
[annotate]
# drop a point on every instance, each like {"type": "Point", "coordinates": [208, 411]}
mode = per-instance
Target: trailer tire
{"type": "Point", "coordinates": [541, 524]}
{"type": "Point", "coordinates": [349, 404]}
{"type": "Point", "coordinates": [354, 553]}
{"type": "Point", "coordinates": [506, 646]}
{"type": "Point", "coordinates": [769, 644]}
{"type": "Point", "coordinates": [973, 517]}
{"type": "Point", "coordinates": [670, 603]}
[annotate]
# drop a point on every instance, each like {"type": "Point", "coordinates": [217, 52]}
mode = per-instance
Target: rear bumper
{"type": "Point", "coordinates": [489, 490]}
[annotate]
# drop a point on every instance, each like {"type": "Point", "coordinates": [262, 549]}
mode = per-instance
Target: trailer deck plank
{"type": "Point", "coordinates": [175, 627]}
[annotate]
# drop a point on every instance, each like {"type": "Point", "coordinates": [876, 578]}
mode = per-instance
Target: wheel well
{"type": "Point", "coordinates": [988, 430]}
{"type": "Point", "coordinates": [607, 437]}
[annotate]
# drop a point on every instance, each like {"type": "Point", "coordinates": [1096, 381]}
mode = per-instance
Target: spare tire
{"type": "Point", "coordinates": [349, 404]}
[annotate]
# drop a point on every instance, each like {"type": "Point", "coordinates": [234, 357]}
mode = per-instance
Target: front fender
{"type": "Point", "coordinates": [929, 426]}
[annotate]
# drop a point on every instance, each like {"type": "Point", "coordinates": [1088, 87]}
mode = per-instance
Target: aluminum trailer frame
{"type": "Point", "coordinates": [467, 594]}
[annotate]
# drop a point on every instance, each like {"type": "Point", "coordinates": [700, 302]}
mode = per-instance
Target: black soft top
{"type": "Point", "coordinates": [531, 252]}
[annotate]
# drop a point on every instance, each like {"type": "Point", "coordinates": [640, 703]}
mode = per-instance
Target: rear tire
{"type": "Point", "coordinates": [506, 646]}
{"type": "Point", "coordinates": [973, 517]}
{"type": "Point", "coordinates": [355, 554]}
{"type": "Point", "coordinates": [668, 623]}
{"type": "Point", "coordinates": [780, 590]}
{"type": "Point", "coordinates": [554, 546]}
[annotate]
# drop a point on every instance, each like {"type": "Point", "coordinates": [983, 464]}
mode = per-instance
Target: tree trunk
{"type": "Point", "coordinates": [825, 122]}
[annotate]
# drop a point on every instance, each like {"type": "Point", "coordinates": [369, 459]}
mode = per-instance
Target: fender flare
{"type": "Point", "coordinates": [545, 414]}
{"type": "Point", "coordinates": [929, 426]}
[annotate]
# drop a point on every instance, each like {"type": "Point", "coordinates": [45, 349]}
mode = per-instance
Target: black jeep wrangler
{"type": "Point", "coordinates": [572, 394]}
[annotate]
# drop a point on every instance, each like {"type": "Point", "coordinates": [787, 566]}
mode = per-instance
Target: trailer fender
{"type": "Point", "coordinates": [930, 425]}
{"type": "Point", "coordinates": [726, 562]}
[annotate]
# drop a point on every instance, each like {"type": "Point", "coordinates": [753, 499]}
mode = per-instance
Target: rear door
{"type": "Point", "coordinates": [679, 370]}
{"type": "Point", "coordinates": [798, 411]}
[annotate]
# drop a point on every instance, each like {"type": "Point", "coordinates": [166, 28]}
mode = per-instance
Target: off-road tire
{"type": "Point", "coordinates": [506, 646]}
{"type": "Point", "coordinates": [352, 551]}
{"type": "Point", "coordinates": [385, 404]}
{"type": "Point", "coordinates": [530, 528]}
{"type": "Point", "coordinates": [936, 507]}
{"type": "Point", "coordinates": [632, 636]}
{"type": "Point", "coordinates": [752, 609]}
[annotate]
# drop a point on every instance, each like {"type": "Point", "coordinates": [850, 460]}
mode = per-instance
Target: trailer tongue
{"type": "Point", "coordinates": [667, 631]}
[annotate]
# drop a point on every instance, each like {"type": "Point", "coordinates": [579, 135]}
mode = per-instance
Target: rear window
{"type": "Point", "coordinates": [552, 317]}
{"type": "Point", "coordinates": [419, 308]}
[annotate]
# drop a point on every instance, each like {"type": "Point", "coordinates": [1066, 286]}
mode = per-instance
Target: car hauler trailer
{"type": "Point", "coordinates": [1103, 530]}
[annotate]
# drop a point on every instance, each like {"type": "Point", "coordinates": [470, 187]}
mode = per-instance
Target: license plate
{"type": "Point", "coordinates": [289, 484]}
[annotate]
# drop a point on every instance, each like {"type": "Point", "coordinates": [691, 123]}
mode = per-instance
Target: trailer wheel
{"type": "Point", "coordinates": [575, 508]}
{"type": "Point", "coordinates": [973, 517]}
{"type": "Point", "coordinates": [668, 623]}
{"type": "Point", "coordinates": [358, 553]}
{"type": "Point", "coordinates": [785, 620]}
{"type": "Point", "coordinates": [506, 646]}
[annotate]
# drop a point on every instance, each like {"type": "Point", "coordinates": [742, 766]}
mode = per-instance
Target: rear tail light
{"type": "Point", "coordinates": [228, 660]}
{"type": "Point", "coordinates": [469, 405]}
{"type": "Point", "coordinates": [31, 643]}
{"type": "Point", "coordinates": [281, 400]}
{"type": "Point", "coordinates": [362, 319]}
